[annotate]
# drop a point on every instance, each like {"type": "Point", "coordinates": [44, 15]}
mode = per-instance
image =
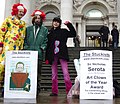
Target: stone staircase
{"type": "Point", "coordinates": [74, 53]}
{"type": "Point", "coordinates": [46, 76]}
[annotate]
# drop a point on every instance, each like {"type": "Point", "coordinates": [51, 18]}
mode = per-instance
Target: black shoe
{"type": "Point", "coordinates": [53, 94]}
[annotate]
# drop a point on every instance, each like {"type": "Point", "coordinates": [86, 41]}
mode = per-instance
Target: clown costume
{"type": "Point", "coordinates": [12, 34]}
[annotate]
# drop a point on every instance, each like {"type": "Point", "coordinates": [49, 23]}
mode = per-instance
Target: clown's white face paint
{"type": "Point", "coordinates": [20, 12]}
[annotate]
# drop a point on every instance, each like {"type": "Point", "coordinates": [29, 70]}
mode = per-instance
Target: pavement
{"type": "Point", "coordinates": [44, 98]}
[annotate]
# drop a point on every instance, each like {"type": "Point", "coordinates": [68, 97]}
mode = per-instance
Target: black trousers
{"type": "Point", "coordinates": [39, 76]}
{"type": "Point", "coordinates": [104, 43]}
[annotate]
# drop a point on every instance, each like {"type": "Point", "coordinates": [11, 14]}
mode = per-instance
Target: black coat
{"type": "Point", "coordinates": [115, 35]}
{"type": "Point", "coordinates": [62, 36]}
{"type": "Point", "coordinates": [104, 31]}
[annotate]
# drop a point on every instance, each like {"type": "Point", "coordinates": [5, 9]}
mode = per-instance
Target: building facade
{"type": "Point", "coordinates": [87, 16]}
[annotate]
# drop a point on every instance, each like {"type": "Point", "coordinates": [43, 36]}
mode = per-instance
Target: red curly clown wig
{"type": "Point", "coordinates": [16, 7]}
{"type": "Point", "coordinates": [40, 13]}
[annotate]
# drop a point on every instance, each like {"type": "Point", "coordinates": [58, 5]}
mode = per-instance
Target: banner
{"type": "Point", "coordinates": [96, 74]}
{"type": "Point", "coordinates": [20, 74]}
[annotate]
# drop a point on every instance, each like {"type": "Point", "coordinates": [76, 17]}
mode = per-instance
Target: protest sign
{"type": "Point", "coordinates": [20, 74]}
{"type": "Point", "coordinates": [96, 74]}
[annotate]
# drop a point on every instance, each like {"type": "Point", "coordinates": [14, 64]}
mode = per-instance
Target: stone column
{"type": "Point", "coordinates": [79, 31]}
{"type": "Point", "coordinates": [110, 26]}
{"type": "Point", "coordinates": [8, 7]}
{"type": "Point", "coordinates": [118, 11]}
{"type": "Point", "coordinates": [66, 10]}
{"type": "Point", "coordinates": [83, 33]}
{"type": "Point", "coordinates": [2, 10]}
{"type": "Point", "coordinates": [66, 14]}
{"type": "Point", "coordinates": [30, 6]}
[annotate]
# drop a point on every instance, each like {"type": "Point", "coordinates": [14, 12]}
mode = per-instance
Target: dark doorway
{"type": "Point", "coordinates": [93, 38]}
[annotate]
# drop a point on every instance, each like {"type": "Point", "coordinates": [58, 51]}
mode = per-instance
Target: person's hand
{"type": "Point", "coordinates": [66, 22]}
{"type": "Point", "coordinates": [46, 62]}
{"type": "Point", "coordinates": [1, 49]}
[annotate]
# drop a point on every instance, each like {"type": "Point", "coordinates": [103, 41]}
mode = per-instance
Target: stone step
{"type": "Point", "coordinates": [59, 75]}
{"type": "Point", "coordinates": [50, 87]}
{"type": "Point", "coordinates": [59, 78]}
{"type": "Point", "coordinates": [75, 53]}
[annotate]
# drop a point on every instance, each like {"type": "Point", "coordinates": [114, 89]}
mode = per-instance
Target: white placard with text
{"type": "Point", "coordinates": [96, 74]}
{"type": "Point", "coordinates": [20, 74]}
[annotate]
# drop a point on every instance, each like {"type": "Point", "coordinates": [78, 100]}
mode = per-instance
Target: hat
{"type": "Point", "coordinates": [57, 19]}
{"type": "Point", "coordinates": [16, 7]}
{"type": "Point", "coordinates": [40, 13]}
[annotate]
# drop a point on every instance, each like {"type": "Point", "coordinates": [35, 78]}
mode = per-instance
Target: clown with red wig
{"type": "Point", "coordinates": [12, 33]}
{"type": "Point", "coordinates": [36, 39]}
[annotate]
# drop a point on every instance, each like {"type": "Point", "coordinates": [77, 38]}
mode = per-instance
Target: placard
{"type": "Point", "coordinates": [96, 74]}
{"type": "Point", "coordinates": [20, 74]}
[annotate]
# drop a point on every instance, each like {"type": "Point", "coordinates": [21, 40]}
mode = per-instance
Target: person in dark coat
{"type": "Point", "coordinates": [76, 41]}
{"type": "Point", "coordinates": [57, 52]}
{"type": "Point", "coordinates": [104, 32]}
{"type": "Point", "coordinates": [36, 40]}
{"type": "Point", "coordinates": [115, 36]}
